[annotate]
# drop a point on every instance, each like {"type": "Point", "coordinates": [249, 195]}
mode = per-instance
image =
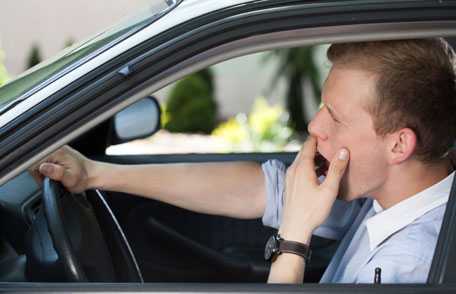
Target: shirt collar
{"type": "Point", "coordinates": [386, 222]}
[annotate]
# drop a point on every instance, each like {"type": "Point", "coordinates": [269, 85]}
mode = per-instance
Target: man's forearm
{"type": "Point", "coordinates": [232, 189]}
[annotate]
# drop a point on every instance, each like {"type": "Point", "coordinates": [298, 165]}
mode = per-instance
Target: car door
{"type": "Point", "coordinates": [216, 36]}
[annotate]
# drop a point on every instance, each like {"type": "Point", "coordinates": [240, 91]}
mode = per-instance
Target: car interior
{"type": "Point", "coordinates": [168, 244]}
{"type": "Point", "coordinates": [115, 237]}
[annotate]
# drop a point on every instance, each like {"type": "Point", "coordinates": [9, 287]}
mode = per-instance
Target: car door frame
{"type": "Point", "coordinates": [95, 97]}
{"type": "Point", "coordinates": [169, 56]}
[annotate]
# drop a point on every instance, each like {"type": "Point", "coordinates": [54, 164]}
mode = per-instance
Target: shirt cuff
{"type": "Point", "coordinates": [274, 173]}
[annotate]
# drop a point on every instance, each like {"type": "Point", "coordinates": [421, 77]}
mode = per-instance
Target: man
{"type": "Point", "coordinates": [386, 126]}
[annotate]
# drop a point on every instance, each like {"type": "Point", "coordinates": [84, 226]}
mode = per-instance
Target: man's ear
{"type": "Point", "coordinates": [402, 145]}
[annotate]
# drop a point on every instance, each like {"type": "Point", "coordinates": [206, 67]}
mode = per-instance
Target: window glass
{"type": "Point", "coordinates": [23, 86]}
{"type": "Point", "coordinates": [241, 105]}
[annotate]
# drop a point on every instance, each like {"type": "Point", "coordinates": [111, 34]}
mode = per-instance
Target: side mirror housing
{"type": "Point", "coordinates": [139, 120]}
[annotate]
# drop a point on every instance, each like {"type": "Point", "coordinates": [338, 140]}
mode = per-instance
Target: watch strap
{"type": "Point", "coordinates": [297, 248]}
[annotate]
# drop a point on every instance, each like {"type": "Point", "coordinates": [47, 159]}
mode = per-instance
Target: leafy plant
{"type": "Point", "coordinates": [299, 68]}
{"type": "Point", "coordinates": [68, 42]}
{"type": "Point", "coordinates": [191, 107]}
{"type": "Point", "coordinates": [34, 56]}
{"type": "Point", "coordinates": [264, 129]}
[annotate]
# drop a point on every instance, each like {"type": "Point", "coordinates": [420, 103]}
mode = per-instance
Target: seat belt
{"type": "Point", "coordinates": [443, 268]}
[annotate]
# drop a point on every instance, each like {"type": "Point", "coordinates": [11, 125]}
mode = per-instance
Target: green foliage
{"type": "Point", "coordinates": [191, 107]}
{"type": "Point", "coordinates": [299, 68]}
{"type": "Point", "coordinates": [164, 117]}
{"type": "Point", "coordinates": [3, 73]}
{"type": "Point", "coordinates": [264, 129]}
{"type": "Point", "coordinates": [34, 56]}
{"type": "Point", "coordinates": [68, 42]}
{"type": "Point", "coordinates": [208, 77]}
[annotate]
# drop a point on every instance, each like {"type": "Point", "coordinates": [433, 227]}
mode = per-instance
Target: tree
{"type": "Point", "coordinates": [191, 106]}
{"type": "Point", "coordinates": [68, 42]}
{"type": "Point", "coordinates": [299, 68]}
{"type": "Point", "coordinates": [34, 56]}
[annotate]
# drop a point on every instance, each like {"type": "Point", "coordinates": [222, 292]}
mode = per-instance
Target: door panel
{"type": "Point", "coordinates": [176, 245]}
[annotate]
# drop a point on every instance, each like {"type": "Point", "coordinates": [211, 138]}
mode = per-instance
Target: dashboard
{"type": "Point", "coordinates": [20, 201]}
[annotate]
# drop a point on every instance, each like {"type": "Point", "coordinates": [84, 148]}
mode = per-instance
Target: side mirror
{"type": "Point", "coordinates": [139, 120]}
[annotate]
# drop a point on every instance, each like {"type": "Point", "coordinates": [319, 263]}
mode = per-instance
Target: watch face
{"type": "Point", "coordinates": [271, 247]}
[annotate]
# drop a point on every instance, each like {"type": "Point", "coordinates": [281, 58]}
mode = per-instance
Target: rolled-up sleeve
{"type": "Point", "coordinates": [342, 213]}
{"type": "Point", "coordinates": [274, 173]}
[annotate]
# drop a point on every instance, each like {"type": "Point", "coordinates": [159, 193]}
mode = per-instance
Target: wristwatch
{"type": "Point", "coordinates": [277, 245]}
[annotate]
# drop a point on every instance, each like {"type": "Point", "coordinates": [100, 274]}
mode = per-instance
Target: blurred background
{"type": "Point", "coordinates": [256, 103]}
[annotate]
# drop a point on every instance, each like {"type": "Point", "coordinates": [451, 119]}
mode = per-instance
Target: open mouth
{"type": "Point", "coordinates": [321, 165]}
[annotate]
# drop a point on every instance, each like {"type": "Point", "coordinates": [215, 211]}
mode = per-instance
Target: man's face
{"type": "Point", "coordinates": [344, 121]}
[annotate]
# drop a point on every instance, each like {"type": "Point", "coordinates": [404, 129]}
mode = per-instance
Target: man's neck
{"type": "Point", "coordinates": [409, 179]}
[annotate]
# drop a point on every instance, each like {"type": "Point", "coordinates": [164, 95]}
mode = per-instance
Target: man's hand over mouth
{"type": "Point", "coordinates": [307, 203]}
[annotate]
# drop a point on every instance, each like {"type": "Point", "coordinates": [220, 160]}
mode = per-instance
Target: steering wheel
{"type": "Point", "coordinates": [81, 240]}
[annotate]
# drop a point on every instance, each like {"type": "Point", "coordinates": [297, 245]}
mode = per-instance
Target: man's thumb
{"type": "Point", "coordinates": [52, 171]}
{"type": "Point", "coordinates": [336, 169]}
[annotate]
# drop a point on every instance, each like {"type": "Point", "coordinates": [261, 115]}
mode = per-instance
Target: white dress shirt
{"type": "Point", "coordinates": [399, 240]}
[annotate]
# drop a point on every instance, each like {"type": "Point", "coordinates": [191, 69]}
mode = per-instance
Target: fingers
{"type": "Point", "coordinates": [53, 165]}
{"type": "Point", "coordinates": [57, 172]}
{"type": "Point", "coordinates": [52, 170]}
{"type": "Point", "coordinates": [304, 163]}
{"type": "Point", "coordinates": [309, 148]}
{"type": "Point", "coordinates": [65, 165]}
{"type": "Point", "coordinates": [305, 160]}
{"type": "Point", "coordinates": [336, 171]}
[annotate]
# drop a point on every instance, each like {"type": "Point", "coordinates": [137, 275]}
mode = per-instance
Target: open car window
{"type": "Point", "coordinates": [222, 109]}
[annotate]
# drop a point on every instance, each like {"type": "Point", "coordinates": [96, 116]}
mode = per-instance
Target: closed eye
{"type": "Point", "coordinates": [332, 115]}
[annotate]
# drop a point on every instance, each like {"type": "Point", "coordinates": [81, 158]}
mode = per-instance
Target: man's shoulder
{"type": "Point", "coordinates": [418, 239]}
{"type": "Point", "coordinates": [426, 226]}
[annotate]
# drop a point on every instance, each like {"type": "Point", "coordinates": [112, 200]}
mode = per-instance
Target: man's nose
{"type": "Point", "coordinates": [316, 127]}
